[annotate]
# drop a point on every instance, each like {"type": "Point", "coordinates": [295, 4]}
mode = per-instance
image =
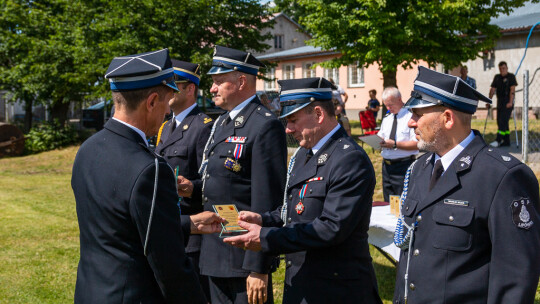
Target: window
{"type": "Point", "coordinates": [288, 71]}
{"type": "Point", "coordinates": [270, 74]}
{"type": "Point", "coordinates": [308, 69]}
{"type": "Point", "coordinates": [278, 41]}
{"type": "Point", "coordinates": [332, 73]}
{"type": "Point", "coordinates": [356, 75]}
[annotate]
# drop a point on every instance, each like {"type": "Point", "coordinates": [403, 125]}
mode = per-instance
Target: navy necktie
{"type": "Point", "coordinates": [438, 170]}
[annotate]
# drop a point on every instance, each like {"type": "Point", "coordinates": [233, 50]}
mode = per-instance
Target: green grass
{"type": "Point", "coordinates": [39, 238]}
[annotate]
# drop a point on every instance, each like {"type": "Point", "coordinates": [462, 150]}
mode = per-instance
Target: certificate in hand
{"type": "Point", "coordinates": [230, 214]}
{"type": "Point", "coordinates": [372, 140]}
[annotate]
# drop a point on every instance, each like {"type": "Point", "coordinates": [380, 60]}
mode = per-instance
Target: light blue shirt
{"type": "Point", "coordinates": [180, 117]}
{"type": "Point", "coordinates": [234, 112]}
{"type": "Point", "coordinates": [141, 133]}
{"type": "Point", "coordinates": [449, 157]}
{"type": "Point", "coordinates": [323, 140]}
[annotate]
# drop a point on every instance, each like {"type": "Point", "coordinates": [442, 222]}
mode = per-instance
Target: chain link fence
{"type": "Point", "coordinates": [531, 122]}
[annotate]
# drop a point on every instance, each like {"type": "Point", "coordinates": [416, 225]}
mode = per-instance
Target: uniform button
{"type": "Point", "coordinates": [451, 218]}
{"type": "Point", "coordinates": [289, 263]}
{"type": "Point", "coordinates": [416, 252]}
{"type": "Point", "coordinates": [407, 208]}
{"type": "Point", "coordinates": [290, 196]}
{"type": "Point", "coordinates": [411, 286]}
{"type": "Point", "coordinates": [289, 220]}
{"type": "Point", "coordinates": [206, 199]}
{"type": "Point", "coordinates": [175, 152]}
{"type": "Point", "coordinates": [229, 152]}
{"type": "Point", "coordinates": [212, 153]}
{"type": "Point", "coordinates": [310, 190]}
{"type": "Point", "coordinates": [259, 108]}
{"type": "Point", "coordinates": [207, 176]}
{"type": "Point", "coordinates": [336, 274]}
{"type": "Point", "coordinates": [419, 218]}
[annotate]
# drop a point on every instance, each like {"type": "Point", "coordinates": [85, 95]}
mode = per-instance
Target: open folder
{"type": "Point", "coordinates": [372, 140]}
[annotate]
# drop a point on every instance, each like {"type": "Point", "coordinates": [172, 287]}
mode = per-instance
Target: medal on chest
{"type": "Point", "coordinates": [300, 206]}
{"type": "Point", "coordinates": [232, 163]}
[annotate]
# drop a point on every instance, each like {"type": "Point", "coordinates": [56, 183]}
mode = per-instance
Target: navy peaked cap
{"type": "Point", "coordinates": [433, 88]}
{"type": "Point", "coordinates": [227, 60]}
{"type": "Point", "coordinates": [296, 94]}
{"type": "Point", "coordinates": [140, 71]}
{"type": "Point", "coordinates": [186, 71]}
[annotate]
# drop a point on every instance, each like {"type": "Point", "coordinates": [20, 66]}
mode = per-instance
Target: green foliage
{"type": "Point", "coordinates": [400, 32]}
{"type": "Point", "coordinates": [50, 136]}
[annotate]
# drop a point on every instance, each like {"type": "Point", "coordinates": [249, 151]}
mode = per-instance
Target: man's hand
{"type": "Point", "coordinates": [205, 222]}
{"type": "Point", "coordinates": [509, 105]}
{"type": "Point", "coordinates": [256, 288]}
{"type": "Point", "coordinates": [250, 217]}
{"type": "Point", "coordinates": [250, 240]}
{"type": "Point", "coordinates": [387, 143]}
{"type": "Point", "coordinates": [185, 186]}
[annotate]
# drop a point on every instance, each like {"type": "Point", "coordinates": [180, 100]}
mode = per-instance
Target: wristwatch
{"type": "Point", "coordinates": [395, 145]}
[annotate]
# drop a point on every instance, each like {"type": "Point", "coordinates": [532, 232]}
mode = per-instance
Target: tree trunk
{"type": "Point", "coordinates": [59, 112]}
{"type": "Point", "coordinates": [389, 80]}
{"type": "Point", "coordinates": [28, 115]}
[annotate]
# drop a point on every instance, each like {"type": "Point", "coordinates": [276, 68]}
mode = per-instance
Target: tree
{"type": "Point", "coordinates": [57, 51]}
{"type": "Point", "coordinates": [396, 33]}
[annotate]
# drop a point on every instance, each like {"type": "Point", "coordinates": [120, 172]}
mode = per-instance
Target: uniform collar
{"type": "Point", "coordinates": [180, 117]}
{"type": "Point", "coordinates": [449, 157]}
{"type": "Point", "coordinates": [234, 112]}
{"type": "Point", "coordinates": [323, 140]}
{"type": "Point", "coordinates": [141, 133]}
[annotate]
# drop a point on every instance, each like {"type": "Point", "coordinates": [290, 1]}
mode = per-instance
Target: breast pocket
{"type": "Point", "coordinates": [408, 208]}
{"type": "Point", "coordinates": [314, 199]}
{"type": "Point", "coordinates": [452, 227]}
{"type": "Point", "coordinates": [177, 151]}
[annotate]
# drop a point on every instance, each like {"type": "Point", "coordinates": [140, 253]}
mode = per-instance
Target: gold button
{"type": "Point", "coordinates": [451, 218]}
{"type": "Point", "coordinates": [416, 252]}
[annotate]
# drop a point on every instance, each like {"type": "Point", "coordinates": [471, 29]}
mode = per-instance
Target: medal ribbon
{"type": "Point", "coordinates": [238, 151]}
{"type": "Point", "coordinates": [302, 192]}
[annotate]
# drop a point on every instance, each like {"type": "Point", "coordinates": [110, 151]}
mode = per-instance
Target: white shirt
{"type": "Point", "coordinates": [337, 94]}
{"type": "Point", "coordinates": [234, 112]}
{"type": "Point", "coordinates": [403, 133]}
{"type": "Point", "coordinates": [183, 114]}
{"type": "Point", "coordinates": [141, 133]}
{"type": "Point", "coordinates": [323, 140]}
{"type": "Point", "coordinates": [449, 157]}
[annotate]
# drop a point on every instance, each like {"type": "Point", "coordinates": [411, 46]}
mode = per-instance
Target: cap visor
{"type": "Point", "coordinates": [414, 103]}
{"type": "Point", "coordinates": [219, 70]}
{"type": "Point", "coordinates": [172, 85]}
{"type": "Point", "coordinates": [288, 110]}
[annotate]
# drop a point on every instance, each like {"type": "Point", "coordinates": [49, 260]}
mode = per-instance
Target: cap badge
{"type": "Point", "coordinates": [521, 213]}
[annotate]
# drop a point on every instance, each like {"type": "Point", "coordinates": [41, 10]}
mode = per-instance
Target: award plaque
{"type": "Point", "coordinates": [230, 214]}
{"type": "Point", "coordinates": [394, 204]}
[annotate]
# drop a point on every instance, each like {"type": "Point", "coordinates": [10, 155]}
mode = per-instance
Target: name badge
{"type": "Point", "coordinates": [236, 139]}
{"type": "Point", "coordinates": [450, 201]}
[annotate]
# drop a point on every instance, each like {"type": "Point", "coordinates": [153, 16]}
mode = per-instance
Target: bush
{"type": "Point", "coordinates": [50, 136]}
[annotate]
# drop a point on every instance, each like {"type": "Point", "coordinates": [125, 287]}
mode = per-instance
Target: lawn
{"type": "Point", "coordinates": [39, 244]}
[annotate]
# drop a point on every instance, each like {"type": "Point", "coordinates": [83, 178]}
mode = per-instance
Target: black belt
{"type": "Point", "coordinates": [399, 160]}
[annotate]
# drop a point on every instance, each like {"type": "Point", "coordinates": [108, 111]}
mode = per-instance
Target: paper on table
{"type": "Point", "coordinates": [372, 140]}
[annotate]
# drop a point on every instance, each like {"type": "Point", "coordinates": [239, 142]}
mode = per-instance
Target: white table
{"type": "Point", "coordinates": [381, 231]}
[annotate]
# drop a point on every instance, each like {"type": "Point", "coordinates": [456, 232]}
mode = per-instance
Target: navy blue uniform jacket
{"type": "Point", "coordinates": [257, 187]}
{"type": "Point", "coordinates": [183, 148]}
{"type": "Point", "coordinates": [113, 182]}
{"type": "Point", "coordinates": [468, 247]}
{"type": "Point", "coordinates": [326, 243]}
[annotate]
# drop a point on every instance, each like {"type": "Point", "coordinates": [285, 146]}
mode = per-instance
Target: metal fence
{"type": "Point", "coordinates": [530, 118]}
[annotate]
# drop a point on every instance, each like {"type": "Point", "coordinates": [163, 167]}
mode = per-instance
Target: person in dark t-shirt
{"type": "Point", "coordinates": [504, 85]}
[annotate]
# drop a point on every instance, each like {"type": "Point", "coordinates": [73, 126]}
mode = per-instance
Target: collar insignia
{"type": "Point", "coordinates": [207, 120]}
{"type": "Point", "coordinates": [239, 121]}
{"type": "Point", "coordinates": [322, 159]}
{"type": "Point", "coordinates": [185, 127]}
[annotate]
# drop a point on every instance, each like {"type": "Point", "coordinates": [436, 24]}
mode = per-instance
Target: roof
{"type": "Point", "coordinates": [522, 18]}
{"type": "Point", "coordinates": [299, 52]}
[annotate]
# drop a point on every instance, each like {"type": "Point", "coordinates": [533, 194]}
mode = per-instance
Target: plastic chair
{"type": "Point", "coordinates": [367, 122]}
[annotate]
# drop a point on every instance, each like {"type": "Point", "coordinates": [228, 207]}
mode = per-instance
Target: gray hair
{"type": "Point", "coordinates": [390, 92]}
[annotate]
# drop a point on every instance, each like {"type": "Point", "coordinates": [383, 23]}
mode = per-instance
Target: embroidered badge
{"type": "Point", "coordinates": [466, 159]}
{"type": "Point", "coordinates": [320, 178]}
{"type": "Point", "coordinates": [185, 127]}
{"type": "Point", "coordinates": [239, 121]}
{"type": "Point", "coordinates": [506, 158]}
{"type": "Point", "coordinates": [236, 139]}
{"type": "Point", "coordinates": [299, 208]}
{"type": "Point", "coordinates": [207, 120]}
{"type": "Point", "coordinates": [346, 146]}
{"type": "Point", "coordinates": [322, 159]}
{"type": "Point", "coordinates": [521, 213]}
